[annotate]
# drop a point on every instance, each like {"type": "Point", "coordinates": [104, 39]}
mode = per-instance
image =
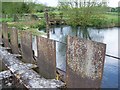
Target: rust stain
{"type": "Point", "coordinates": [85, 61]}
{"type": "Point", "coordinates": [14, 40]}
{"type": "Point", "coordinates": [46, 57]}
{"type": "Point", "coordinates": [0, 33]}
{"type": "Point", "coordinates": [5, 35]}
{"type": "Point", "coordinates": [26, 47]}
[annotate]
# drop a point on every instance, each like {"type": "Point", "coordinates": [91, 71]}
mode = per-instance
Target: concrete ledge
{"type": "Point", "coordinates": [7, 48]}
{"type": "Point", "coordinates": [1, 43]}
{"type": "Point", "coordinates": [5, 74]}
{"type": "Point", "coordinates": [28, 77]}
{"type": "Point", "coordinates": [5, 78]}
{"type": "Point", "coordinates": [17, 55]}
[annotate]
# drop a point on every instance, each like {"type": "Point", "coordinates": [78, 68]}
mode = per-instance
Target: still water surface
{"type": "Point", "coordinates": [108, 36]}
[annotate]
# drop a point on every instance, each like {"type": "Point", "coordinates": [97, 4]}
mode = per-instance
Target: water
{"type": "Point", "coordinates": [108, 36]}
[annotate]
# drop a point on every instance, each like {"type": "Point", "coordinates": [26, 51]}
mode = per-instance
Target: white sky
{"type": "Point", "coordinates": [112, 3]}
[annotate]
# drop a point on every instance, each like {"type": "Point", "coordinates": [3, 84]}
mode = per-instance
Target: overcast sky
{"type": "Point", "coordinates": [112, 3]}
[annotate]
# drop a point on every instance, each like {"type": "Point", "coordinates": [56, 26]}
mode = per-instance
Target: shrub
{"type": "Point", "coordinates": [6, 19]}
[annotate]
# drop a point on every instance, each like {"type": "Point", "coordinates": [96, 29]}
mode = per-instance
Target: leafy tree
{"type": "Point", "coordinates": [118, 9]}
{"type": "Point", "coordinates": [113, 10]}
{"type": "Point", "coordinates": [39, 7]}
{"type": "Point", "coordinates": [83, 13]}
{"type": "Point", "coordinates": [17, 8]}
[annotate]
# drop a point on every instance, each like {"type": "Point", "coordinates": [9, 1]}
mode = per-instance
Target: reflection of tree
{"type": "Point", "coordinates": [53, 30]}
{"type": "Point", "coordinates": [74, 31]}
{"type": "Point", "coordinates": [96, 35]}
{"type": "Point", "coordinates": [61, 30]}
{"type": "Point", "coordinates": [85, 33]}
{"type": "Point", "coordinates": [81, 32]}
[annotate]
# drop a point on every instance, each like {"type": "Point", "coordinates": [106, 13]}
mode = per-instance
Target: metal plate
{"type": "Point", "coordinates": [14, 41]}
{"type": "Point", "coordinates": [5, 35]}
{"type": "Point", "coordinates": [85, 62]}
{"type": "Point", "coordinates": [46, 57]}
{"type": "Point", "coordinates": [0, 33]}
{"type": "Point", "coordinates": [26, 47]}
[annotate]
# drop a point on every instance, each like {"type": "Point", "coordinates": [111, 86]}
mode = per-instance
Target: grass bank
{"type": "Point", "coordinates": [112, 20]}
{"type": "Point", "coordinates": [31, 26]}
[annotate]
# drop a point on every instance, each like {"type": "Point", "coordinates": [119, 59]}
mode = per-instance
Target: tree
{"type": "Point", "coordinates": [17, 8]}
{"type": "Point", "coordinates": [39, 7]}
{"type": "Point", "coordinates": [113, 10]}
{"type": "Point", "coordinates": [83, 12]}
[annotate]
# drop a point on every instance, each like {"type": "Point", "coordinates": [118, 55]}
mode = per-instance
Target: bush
{"type": "Point", "coordinates": [52, 15]}
{"type": "Point", "coordinates": [6, 19]}
{"type": "Point", "coordinates": [98, 21]}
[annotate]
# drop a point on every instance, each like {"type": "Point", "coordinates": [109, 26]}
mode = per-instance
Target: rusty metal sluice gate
{"type": "Point", "coordinates": [84, 58]}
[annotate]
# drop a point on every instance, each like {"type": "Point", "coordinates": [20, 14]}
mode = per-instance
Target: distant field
{"type": "Point", "coordinates": [113, 17]}
{"type": "Point", "coordinates": [113, 13]}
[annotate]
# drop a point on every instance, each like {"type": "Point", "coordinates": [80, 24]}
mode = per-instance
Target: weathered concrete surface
{"type": "Point", "coordinates": [4, 81]}
{"type": "Point", "coordinates": [85, 62]}
{"type": "Point", "coordinates": [28, 77]}
{"type": "Point", "coordinates": [9, 81]}
{"type": "Point", "coordinates": [5, 74]}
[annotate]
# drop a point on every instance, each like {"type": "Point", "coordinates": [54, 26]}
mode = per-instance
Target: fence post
{"type": "Point", "coordinates": [47, 22]}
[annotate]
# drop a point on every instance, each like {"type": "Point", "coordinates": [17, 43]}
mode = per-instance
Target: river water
{"type": "Point", "coordinates": [108, 36]}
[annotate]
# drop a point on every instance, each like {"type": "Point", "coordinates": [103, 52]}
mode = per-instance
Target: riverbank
{"type": "Point", "coordinates": [111, 20]}
{"type": "Point", "coordinates": [29, 26]}
{"type": "Point", "coordinates": [108, 20]}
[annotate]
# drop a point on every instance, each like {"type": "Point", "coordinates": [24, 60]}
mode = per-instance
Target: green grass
{"type": "Point", "coordinates": [39, 14]}
{"type": "Point", "coordinates": [6, 19]}
{"type": "Point", "coordinates": [29, 26]}
{"type": "Point", "coordinates": [35, 32]}
{"type": "Point", "coordinates": [112, 18]}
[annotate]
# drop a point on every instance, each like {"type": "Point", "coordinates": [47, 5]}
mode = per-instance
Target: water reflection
{"type": "Point", "coordinates": [110, 75]}
{"type": "Point", "coordinates": [34, 45]}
